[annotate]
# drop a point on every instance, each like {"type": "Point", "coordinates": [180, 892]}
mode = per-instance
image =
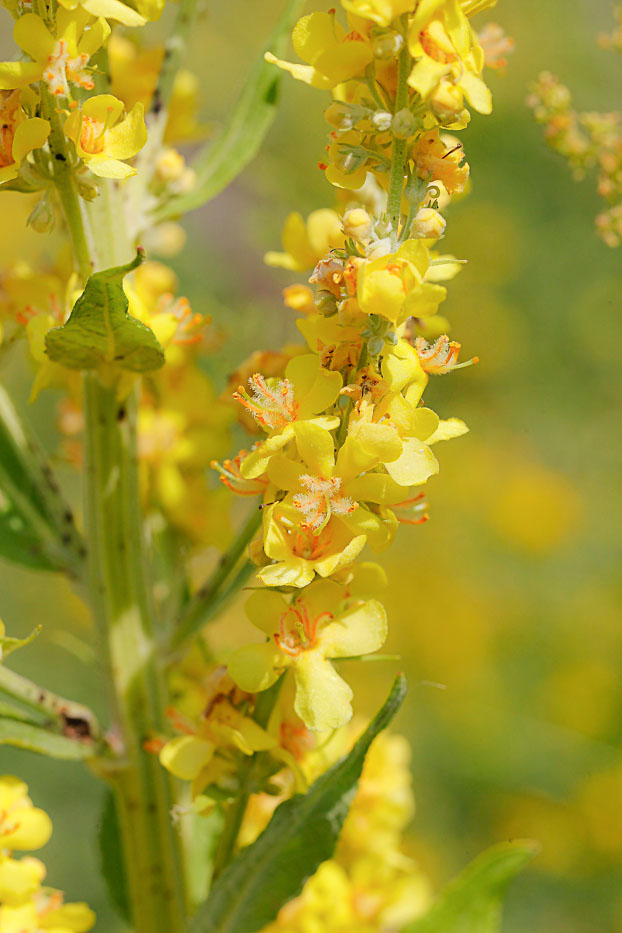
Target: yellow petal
{"type": "Point", "coordinates": [32, 35]}
{"type": "Point", "coordinates": [109, 168]}
{"type": "Point", "coordinates": [476, 92]}
{"type": "Point", "coordinates": [29, 135]}
{"type": "Point", "coordinates": [30, 829]}
{"type": "Point", "coordinates": [448, 429]}
{"type": "Point", "coordinates": [70, 918]}
{"type": "Point", "coordinates": [360, 631]}
{"type": "Point", "coordinates": [114, 9]}
{"type": "Point", "coordinates": [305, 73]}
{"type": "Point", "coordinates": [323, 700]}
{"type": "Point", "coordinates": [296, 242]}
{"type": "Point", "coordinates": [375, 487]}
{"type": "Point", "coordinates": [366, 447]}
{"type": "Point", "coordinates": [19, 878]}
{"type": "Point", "coordinates": [416, 464]}
{"type": "Point", "coordinates": [294, 571]}
{"type": "Point", "coordinates": [128, 136]}
{"type": "Point", "coordinates": [316, 448]}
{"type": "Point", "coordinates": [426, 74]}
{"type": "Point", "coordinates": [93, 38]}
{"type": "Point", "coordinates": [254, 667]}
{"type": "Point", "coordinates": [18, 74]}
{"type": "Point", "coordinates": [186, 755]}
{"type": "Point", "coordinates": [264, 609]}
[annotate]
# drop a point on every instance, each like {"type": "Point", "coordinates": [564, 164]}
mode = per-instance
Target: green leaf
{"type": "Point", "coordinates": [111, 858]}
{"type": "Point", "coordinates": [222, 159]}
{"type": "Point", "coordinates": [25, 735]}
{"type": "Point", "coordinates": [302, 833]}
{"type": "Point", "coordinates": [36, 524]}
{"type": "Point", "coordinates": [100, 330]}
{"type": "Point", "coordinates": [472, 902]}
{"type": "Point", "coordinates": [9, 644]}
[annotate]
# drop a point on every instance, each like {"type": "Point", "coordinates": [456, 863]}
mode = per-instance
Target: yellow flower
{"type": "Point", "coordinates": [443, 45]}
{"type": "Point", "coordinates": [19, 879]}
{"type": "Point", "coordinates": [393, 286]}
{"type": "Point", "coordinates": [332, 55]}
{"type": "Point", "coordinates": [435, 161]}
{"type": "Point", "coordinates": [46, 911]}
{"type": "Point", "coordinates": [281, 406]}
{"type": "Point", "coordinates": [22, 826]}
{"type": "Point", "coordinates": [59, 60]}
{"type": "Point", "coordinates": [304, 635]}
{"type": "Point", "coordinates": [19, 134]}
{"type": "Point", "coordinates": [305, 244]}
{"type": "Point", "coordinates": [103, 138]}
{"type": "Point", "coordinates": [196, 755]}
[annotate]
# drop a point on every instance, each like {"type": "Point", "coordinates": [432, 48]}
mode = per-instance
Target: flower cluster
{"type": "Point", "coordinates": [587, 140]}
{"type": "Point", "coordinates": [347, 442]}
{"type": "Point", "coordinates": [26, 905]}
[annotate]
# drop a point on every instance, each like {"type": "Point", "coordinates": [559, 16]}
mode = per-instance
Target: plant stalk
{"type": "Point", "coordinates": [123, 610]}
{"type": "Point", "coordinates": [400, 146]}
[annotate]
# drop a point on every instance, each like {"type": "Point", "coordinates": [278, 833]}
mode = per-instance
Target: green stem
{"type": "Point", "coordinates": [219, 587]}
{"type": "Point", "coordinates": [123, 611]}
{"type": "Point", "coordinates": [65, 181]}
{"type": "Point", "coordinates": [400, 146]}
{"type": "Point", "coordinates": [64, 713]}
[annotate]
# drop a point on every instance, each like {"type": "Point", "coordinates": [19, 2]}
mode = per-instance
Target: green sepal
{"type": "Point", "coordinates": [100, 330]}
{"type": "Point", "coordinates": [473, 901]}
{"type": "Point", "coordinates": [26, 735]}
{"type": "Point", "coordinates": [9, 644]}
{"type": "Point", "coordinates": [301, 835]}
{"type": "Point", "coordinates": [224, 158]}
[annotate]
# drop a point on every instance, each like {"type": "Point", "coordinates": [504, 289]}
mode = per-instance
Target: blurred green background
{"type": "Point", "coordinates": [506, 606]}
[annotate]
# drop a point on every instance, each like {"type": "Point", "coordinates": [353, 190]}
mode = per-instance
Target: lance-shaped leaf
{"type": "Point", "coordinates": [100, 330]}
{"type": "Point", "coordinates": [222, 159]}
{"type": "Point", "coordinates": [473, 901]}
{"type": "Point", "coordinates": [301, 835]}
{"type": "Point", "coordinates": [36, 524]}
{"type": "Point", "coordinates": [35, 739]}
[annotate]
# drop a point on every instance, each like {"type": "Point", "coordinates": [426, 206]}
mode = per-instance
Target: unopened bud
{"type": "Point", "coordinates": [340, 115]}
{"type": "Point", "coordinates": [357, 224]}
{"type": "Point", "coordinates": [350, 312]}
{"type": "Point", "coordinates": [382, 120]}
{"type": "Point", "coordinates": [429, 224]}
{"type": "Point", "coordinates": [170, 165]}
{"type": "Point", "coordinates": [41, 217]}
{"type": "Point", "coordinates": [404, 124]}
{"type": "Point", "coordinates": [375, 345]}
{"type": "Point", "coordinates": [87, 190]}
{"type": "Point", "coordinates": [387, 44]}
{"type": "Point", "coordinates": [325, 303]}
{"type": "Point", "coordinates": [447, 100]}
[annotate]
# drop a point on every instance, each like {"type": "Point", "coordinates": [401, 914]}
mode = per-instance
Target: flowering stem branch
{"type": "Point", "coordinates": [400, 146]}
{"type": "Point", "coordinates": [64, 179]}
{"type": "Point", "coordinates": [123, 611]}
{"type": "Point", "coordinates": [266, 702]}
{"type": "Point", "coordinates": [210, 598]}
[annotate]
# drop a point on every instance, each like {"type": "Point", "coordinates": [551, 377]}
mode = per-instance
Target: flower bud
{"type": "Point", "coordinates": [41, 217]}
{"type": "Point", "coordinates": [170, 165]}
{"type": "Point", "coordinates": [325, 303]}
{"type": "Point", "coordinates": [340, 115]}
{"type": "Point", "coordinates": [382, 120]}
{"type": "Point", "coordinates": [387, 44]}
{"type": "Point", "coordinates": [447, 100]}
{"type": "Point", "coordinates": [375, 345]}
{"type": "Point", "coordinates": [404, 124]}
{"type": "Point", "coordinates": [429, 224]}
{"type": "Point", "coordinates": [357, 224]}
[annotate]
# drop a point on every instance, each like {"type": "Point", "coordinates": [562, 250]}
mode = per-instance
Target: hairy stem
{"type": "Point", "coordinates": [400, 146]}
{"type": "Point", "coordinates": [123, 610]}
